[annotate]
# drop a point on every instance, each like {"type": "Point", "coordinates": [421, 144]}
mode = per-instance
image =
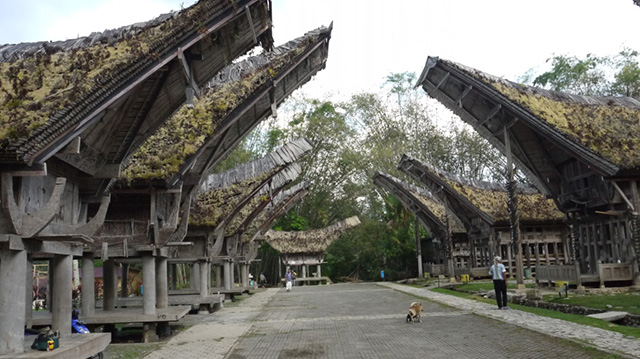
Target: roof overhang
{"type": "Point", "coordinates": [408, 200]}
{"type": "Point", "coordinates": [538, 149]}
{"type": "Point", "coordinates": [457, 203]}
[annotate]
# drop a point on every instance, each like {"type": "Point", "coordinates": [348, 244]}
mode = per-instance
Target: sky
{"type": "Point", "coordinates": [373, 38]}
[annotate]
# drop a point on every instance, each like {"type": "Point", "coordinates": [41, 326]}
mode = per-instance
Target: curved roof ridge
{"type": "Point", "coordinates": [19, 51]}
{"type": "Point", "coordinates": [559, 95]}
{"type": "Point", "coordinates": [286, 154]}
{"type": "Point", "coordinates": [237, 71]}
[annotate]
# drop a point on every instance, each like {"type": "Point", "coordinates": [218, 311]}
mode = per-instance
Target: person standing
{"type": "Point", "coordinates": [499, 275]}
{"type": "Point", "coordinates": [289, 279]}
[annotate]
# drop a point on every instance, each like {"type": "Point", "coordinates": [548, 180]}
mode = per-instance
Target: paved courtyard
{"type": "Point", "coordinates": [367, 321]}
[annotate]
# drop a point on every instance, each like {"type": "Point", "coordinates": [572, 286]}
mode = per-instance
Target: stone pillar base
{"type": "Point", "coordinates": [149, 334]}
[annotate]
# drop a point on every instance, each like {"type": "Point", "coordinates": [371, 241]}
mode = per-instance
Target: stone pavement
{"type": "Point", "coordinates": [368, 321]}
{"type": "Point", "coordinates": [599, 338]}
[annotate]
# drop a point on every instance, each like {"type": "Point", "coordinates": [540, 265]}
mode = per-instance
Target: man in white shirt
{"type": "Point", "coordinates": [499, 275]}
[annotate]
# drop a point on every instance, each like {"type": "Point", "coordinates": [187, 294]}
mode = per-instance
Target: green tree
{"type": "Point", "coordinates": [617, 75]}
{"type": "Point", "coordinates": [351, 141]}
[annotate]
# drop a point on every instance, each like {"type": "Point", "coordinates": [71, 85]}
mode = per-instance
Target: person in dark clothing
{"type": "Point", "coordinates": [499, 275]}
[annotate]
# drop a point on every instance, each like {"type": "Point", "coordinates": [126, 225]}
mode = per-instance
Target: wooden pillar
{"type": "Point", "coordinates": [149, 284]}
{"type": "Point", "coordinates": [509, 257]}
{"type": "Point", "coordinates": [635, 233]}
{"type": "Point", "coordinates": [232, 277]}
{"type": "Point", "coordinates": [218, 269]}
{"type": "Point", "coordinates": [615, 244]}
{"type": "Point", "coordinates": [88, 285]}
{"type": "Point", "coordinates": [171, 272]}
{"type": "Point", "coordinates": [62, 299]}
{"type": "Point", "coordinates": [204, 279]}
{"type": "Point", "coordinates": [13, 264]}
{"type": "Point", "coordinates": [162, 283]}
{"type": "Point", "coordinates": [28, 310]}
{"type": "Point", "coordinates": [124, 280]}
{"type": "Point", "coordinates": [537, 254]}
{"type": "Point", "coordinates": [514, 220]}
{"type": "Point", "coordinates": [418, 247]}
{"type": "Point", "coordinates": [227, 274]}
{"type": "Point", "coordinates": [109, 284]}
{"type": "Point", "coordinates": [194, 280]}
{"type": "Point", "coordinates": [244, 274]}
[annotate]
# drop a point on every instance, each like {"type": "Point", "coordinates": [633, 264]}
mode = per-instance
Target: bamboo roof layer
{"type": "Point", "coordinates": [491, 198]}
{"type": "Point", "coordinates": [222, 193]}
{"type": "Point", "coordinates": [427, 202]}
{"type": "Point", "coordinates": [278, 207]}
{"type": "Point", "coordinates": [312, 241]}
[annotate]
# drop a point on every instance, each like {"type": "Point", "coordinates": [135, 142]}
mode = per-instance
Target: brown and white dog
{"type": "Point", "coordinates": [415, 311]}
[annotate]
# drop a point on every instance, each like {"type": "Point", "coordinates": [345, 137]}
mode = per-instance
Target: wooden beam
{"type": "Point", "coordinates": [490, 115]}
{"type": "Point", "coordinates": [444, 79]}
{"type": "Point", "coordinates": [108, 171]}
{"type": "Point", "coordinates": [464, 94]}
{"type": "Point", "coordinates": [80, 238]}
{"type": "Point", "coordinates": [37, 170]}
{"type": "Point", "coordinates": [92, 226]}
{"type": "Point", "coordinates": [34, 223]}
{"type": "Point", "coordinates": [253, 28]}
{"type": "Point", "coordinates": [624, 196]}
{"type": "Point", "coordinates": [73, 146]}
{"type": "Point", "coordinates": [9, 206]}
{"type": "Point", "coordinates": [87, 160]}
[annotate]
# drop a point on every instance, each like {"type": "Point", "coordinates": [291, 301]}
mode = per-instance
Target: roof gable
{"type": "Point", "coordinates": [50, 93]}
{"type": "Point", "coordinates": [609, 127]}
{"type": "Point", "coordinates": [312, 241]}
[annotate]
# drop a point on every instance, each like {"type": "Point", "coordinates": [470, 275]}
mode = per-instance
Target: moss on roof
{"type": "Point", "coordinates": [438, 209]}
{"type": "Point", "coordinates": [491, 198]}
{"type": "Point", "coordinates": [180, 137]}
{"type": "Point", "coordinates": [34, 88]}
{"type": "Point", "coordinates": [312, 241]}
{"type": "Point", "coordinates": [608, 126]}
{"type": "Point", "coordinates": [213, 206]}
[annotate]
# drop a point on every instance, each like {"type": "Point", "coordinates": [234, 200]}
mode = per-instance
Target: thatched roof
{"type": "Point", "coordinates": [278, 207]}
{"type": "Point", "coordinates": [289, 153]}
{"type": "Point", "coordinates": [602, 131]}
{"type": "Point", "coordinates": [489, 198]}
{"type": "Point", "coordinates": [312, 241]}
{"type": "Point", "coordinates": [492, 198]}
{"type": "Point", "coordinates": [243, 188]}
{"type": "Point", "coordinates": [51, 91]}
{"type": "Point", "coordinates": [238, 222]}
{"type": "Point", "coordinates": [183, 136]}
{"type": "Point", "coordinates": [608, 126]}
{"type": "Point", "coordinates": [419, 200]}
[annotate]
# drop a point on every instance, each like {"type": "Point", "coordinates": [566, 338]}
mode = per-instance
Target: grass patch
{"type": "Point", "coordinates": [623, 302]}
{"type": "Point", "coordinates": [130, 351]}
{"type": "Point", "coordinates": [486, 286]}
{"type": "Point", "coordinates": [579, 319]}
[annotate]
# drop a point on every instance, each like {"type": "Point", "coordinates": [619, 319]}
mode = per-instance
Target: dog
{"type": "Point", "coordinates": [415, 311]}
